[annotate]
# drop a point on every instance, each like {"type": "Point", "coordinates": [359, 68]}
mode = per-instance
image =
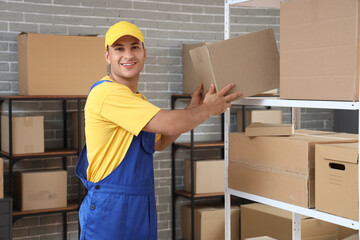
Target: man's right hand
{"type": "Point", "coordinates": [217, 102]}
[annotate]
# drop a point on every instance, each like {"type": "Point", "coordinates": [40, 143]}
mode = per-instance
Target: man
{"type": "Point", "coordinates": [116, 164]}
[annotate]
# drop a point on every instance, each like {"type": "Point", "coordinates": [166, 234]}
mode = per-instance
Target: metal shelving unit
{"type": "Point", "coordinates": [49, 153]}
{"type": "Point", "coordinates": [192, 146]}
{"type": "Point", "coordinates": [296, 105]}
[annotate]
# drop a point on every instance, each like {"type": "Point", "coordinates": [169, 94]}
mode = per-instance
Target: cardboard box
{"type": "Point", "coordinates": [250, 61]}
{"type": "Point", "coordinates": [40, 190]}
{"type": "Point", "coordinates": [319, 50]}
{"type": "Point", "coordinates": [262, 220]}
{"type": "Point", "coordinates": [336, 173]}
{"type": "Point", "coordinates": [75, 128]}
{"type": "Point", "coordinates": [280, 168]}
{"type": "Point", "coordinates": [269, 129]}
{"type": "Point", "coordinates": [190, 81]}
{"type": "Point", "coordinates": [209, 176]}
{"type": "Point", "coordinates": [261, 238]}
{"type": "Point", "coordinates": [27, 134]}
{"type": "Point", "coordinates": [1, 178]}
{"type": "Point", "coordinates": [263, 116]}
{"type": "Point", "coordinates": [67, 69]}
{"type": "Point", "coordinates": [209, 222]}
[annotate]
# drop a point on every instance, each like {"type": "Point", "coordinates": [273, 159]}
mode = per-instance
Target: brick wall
{"type": "Point", "coordinates": [166, 26]}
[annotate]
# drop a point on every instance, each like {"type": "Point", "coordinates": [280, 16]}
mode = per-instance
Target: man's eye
{"type": "Point", "coordinates": [135, 47]}
{"type": "Point", "coordinates": [119, 49]}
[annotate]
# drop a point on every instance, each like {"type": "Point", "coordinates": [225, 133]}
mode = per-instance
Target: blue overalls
{"type": "Point", "coordinates": [122, 205]}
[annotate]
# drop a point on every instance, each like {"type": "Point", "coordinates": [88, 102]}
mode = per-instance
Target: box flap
{"type": "Point", "coordinates": [343, 152]}
{"type": "Point", "coordinates": [269, 129]}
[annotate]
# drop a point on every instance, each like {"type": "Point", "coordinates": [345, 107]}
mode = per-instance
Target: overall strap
{"type": "Point", "coordinates": [98, 83]}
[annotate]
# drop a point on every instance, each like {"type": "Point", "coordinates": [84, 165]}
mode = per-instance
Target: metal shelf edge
{"type": "Point", "coordinates": [300, 210]}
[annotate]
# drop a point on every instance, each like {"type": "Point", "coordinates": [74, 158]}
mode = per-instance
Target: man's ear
{"type": "Point", "coordinates": [106, 55]}
{"type": "Point", "coordinates": [145, 53]}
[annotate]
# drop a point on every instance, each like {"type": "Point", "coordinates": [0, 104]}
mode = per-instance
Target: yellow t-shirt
{"type": "Point", "coordinates": [113, 115]}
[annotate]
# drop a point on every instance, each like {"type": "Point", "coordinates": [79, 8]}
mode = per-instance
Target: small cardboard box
{"type": "Point", "coordinates": [1, 178]}
{"type": "Point", "coordinates": [75, 129]}
{"type": "Point", "coordinates": [190, 81]}
{"type": "Point", "coordinates": [280, 168]}
{"type": "Point", "coordinates": [250, 61]}
{"type": "Point", "coordinates": [260, 116]}
{"type": "Point", "coordinates": [269, 129]}
{"type": "Point", "coordinates": [319, 56]}
{"type": "Point", "coordinates": [336, 185]}
{"type": "Point", "coordinates": [209, 176]}
{"type": "Point", "coordinates": [40, 190]}
{"type": "Point", "coordinates": [59, 64]}
{"type": "Point", "coordinates": [209, 222]}
{"type": "Point", "coordinates": [262, 220]}
{"type": "Point", "coordinates": [27, 134]}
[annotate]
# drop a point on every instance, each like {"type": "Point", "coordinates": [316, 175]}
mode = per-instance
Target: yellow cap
{"type": "Point", "coordinates": [120, 29]}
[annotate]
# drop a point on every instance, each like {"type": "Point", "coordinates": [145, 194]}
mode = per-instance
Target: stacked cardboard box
{"type": "Point", "coordinates": [40, 189]}
{"type": "Point", "coordinates": [262, 220]}
{"type": "Point", "coordinates": [319, 49]}
{"type": "Point", "coordinates": [58, 64]}
{"type": "Point", "coordinates": [209, 222]}
{"type": "Point", "coordinates": [336, 173]}
{"type": "Point", "coordinates": [27, 134]}
{"type": "Point", "coordinates": [280, 168]}
{"type": "Point", "coordinates": [262, 116]}
{"type": "Point", "coordinates": [209, 176]}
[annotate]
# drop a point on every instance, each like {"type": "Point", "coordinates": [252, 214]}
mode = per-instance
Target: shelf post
{"type": "Point", "coordinates": [296, 226]}
{"type": "Point", "coordinates": [227, 194]}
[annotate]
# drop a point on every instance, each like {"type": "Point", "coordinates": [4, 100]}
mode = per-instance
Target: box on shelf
{"type": "Point", "coordinates": [263, 116]}
{"type": "Point", "coordinates": [280, 168]}
{"type": "Point", "coordinates": [263, 220]}
{"type": "Point", "coordinates": [269, 129]}
{"type": "Point", "coordinates": [250, 61]}
{"type": "Point", "coordinates": [27, 134]}
{"type": "Point", "coordinates": [36, 190]}
{"type": "Point", "coordinates": [67, 69]}
{"type": "Point", "coordinates": [260, 238]}
{"type": "Point", "coordinates": [1, 178]}
{"type": "Point", "coordinates": [336, 185]}
{"type": "Point", "coordinates": [75, 128]}
{"type": "Point", "coordinates": [315, 63]}
{"type": "Point", "coordinates": [209, 176]}
{"type": "Point", "coordinates": [209, 222]}
{"type": "Point", "coordinates": [190, 82]}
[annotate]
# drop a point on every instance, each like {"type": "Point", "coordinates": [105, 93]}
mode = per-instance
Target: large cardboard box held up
{"type": "Point", "coordinates": [59, 64]}
{"type": "Point", "coordinates": [319, 56]}
{"type": "Point", "coordinates": [209, 222]}
{"type": "Point", "coordinates": [250, 61]}
{"type": "Point", "coordinates": [262, 220]}
{"type": "Point", "coordinates": [27, 134]}
{"type": "Point", "coordinates": [40, 189]}
{"type": "Point", "coordinates": [190, 81]}
{"type": "Point", "coordinates": [336, 173]}
{"type": "Point", "coordinates": [263, 116]}
{"type": "Point", "coordinates": [280, 168]}
{"type": "Point", "coordinates": [209, 176]}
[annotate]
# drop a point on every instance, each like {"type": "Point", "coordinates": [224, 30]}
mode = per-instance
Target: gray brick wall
{"type": "Point", "coordinates": [166, 26]}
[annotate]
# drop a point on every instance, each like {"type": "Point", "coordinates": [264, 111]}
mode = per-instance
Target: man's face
{"type": "Point", "coordinates": [126, 57]}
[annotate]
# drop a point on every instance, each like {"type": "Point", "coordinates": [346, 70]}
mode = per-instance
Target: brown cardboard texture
{"type": "Point", "coordinates": [261, 238]}
{"type": "Point", "coordinates": [315, 63]}
{"type": "Point", "coordinates": [269, 129]}
{"type": "Point", "coordinates": [1, 178]}
{"type": "Point", "coordinates": [40, 190]}
{"type": "Point", "coordinates": [280, 168]}
{"type": "Point", "coordinates": [27, 134]}
{"type": "Point", "coordinates": [209, 222]}
{"type": "Point", "coordinates": [260, 116]}
{"type": "Point", "coordinates": [59, 64]}
{"type": "Point", "coordinates": [250, 61]}
{"type": "Point", "coordinates": [263, 220]}
{"type": "Point", "coordinates": [190, 81]}
{"type": "Point", "coordinates": [336, 173]}
{"type": "Point", "coordinates": [209, 176]}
